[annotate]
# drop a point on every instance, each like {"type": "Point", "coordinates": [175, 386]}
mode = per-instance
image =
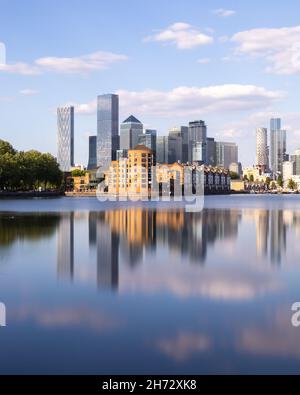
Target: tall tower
{"type": "Point", "coordinates": [92, 164]}
{"type": "Point", "coordinates": [278, 145]}
{"type": "Point", "coordinates": [130, 131]}
{"type": "Point", "coordinates": [107, 129]}
{"type": "Point", "coordinates": [197, 138]}
{"type": "Point", "coordinates": [262, 151]}
{"type": "Point", "coordinates": [65, 137]}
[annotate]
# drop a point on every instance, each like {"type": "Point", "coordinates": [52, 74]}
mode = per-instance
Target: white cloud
{"type": "Point", "coordinates": [76, 65]}
{"type": "Point", "coordinates": [28, 92]}
{"type": "Point", "coordinates": [279, 47]}
{"type": "Point", "coordinates": [20, 68]}
{"type": "Point", "coordinates": [82, 64]}
{"type": "Point", "coordinates": [203, 61]}
{"type": "Point", "coordinates": [224, 13]}
{"type": "Point", "coordinates": [191, 101]}
{"type": "Point", "coordinates": [183, 35]}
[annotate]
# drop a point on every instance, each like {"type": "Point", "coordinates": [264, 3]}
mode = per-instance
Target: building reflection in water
{"type": "Point", "coordinates": [271, 233]}
{"type": "Point", "coordinates": [128, 234]}
{"type": "Point", "coordinates": [65, 246]}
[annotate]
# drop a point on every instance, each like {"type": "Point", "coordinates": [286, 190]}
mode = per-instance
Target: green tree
{"type": "Point", "coordinates": [292, 184]}
{"type": "Point", "coordinates": [27, 170]}
{"type": "Point", "coordinates": [234, 175]}
{"type": "Point", "coordinates": [251, 179]}
{"type": "Point", "coordinates": [268, 181]}
{"type": "Point", "coordinates": [280, 181]}
{"type": "Point", "coordinates": [78, 173]}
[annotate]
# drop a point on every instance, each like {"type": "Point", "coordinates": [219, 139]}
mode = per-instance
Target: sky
{"type": "Point", "coordinates": [233, 64]}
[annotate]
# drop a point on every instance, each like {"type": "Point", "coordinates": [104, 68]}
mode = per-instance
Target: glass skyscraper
{"type": "Point", "coordinates": [65, 138]}
{"type": "Point", "coordinates": [130, 131]}
{"type": "Point", "coordinates": [92, 153]}
{"type": "Point", "coordinates": [107, 129]}
{"type": "Point", "coordinates": [278, 145]}
{"type": "Point", "coordinates": [262, 151]}
{"type": "Point", "coordinates": [226, 153]}
{"type": "Point", "coordinates": [197, 134]}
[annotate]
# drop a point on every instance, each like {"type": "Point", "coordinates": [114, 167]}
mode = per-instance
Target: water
{"type": "Point", "coordinates": [141, 288]}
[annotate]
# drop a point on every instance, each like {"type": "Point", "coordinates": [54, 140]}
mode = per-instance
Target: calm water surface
{"type": "Point", "coordinates": [103, 288]}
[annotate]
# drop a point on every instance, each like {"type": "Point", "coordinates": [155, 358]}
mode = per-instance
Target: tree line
{"type": "Point", "coordinates": [28, 170]}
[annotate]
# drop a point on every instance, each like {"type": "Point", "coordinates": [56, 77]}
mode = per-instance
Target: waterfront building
{"type": "Point", "coordinates": [262, 150]}
{"type": "Point", "coordinates": [130, 131]}
{"type": "Point", "coordinates": [131, 176]}
{"type": "Point", "coordinates": [197, 133]}
{"type": "Point", "coordinates": [65, 138]}
{"type": "Point", "coordinates": [107, 129]}
{"type": "Point", "coordinates": [92, 163]}
{"type": "Point", "coordinates": [278, 145]}
{"type": "Point", "coordinates": [226, 153]}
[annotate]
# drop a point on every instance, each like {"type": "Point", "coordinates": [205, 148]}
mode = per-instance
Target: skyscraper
{"type": "Point", "coordinates": [107, 129]}
{"type": "Point", "coordinates": [182, 131]}
{"type": "Point", "coordinates": [148, 139]}
{"type": "Point", "coordinates": [197, 133]}
{"type": "Point", "coordinates": [130, 131]}
{"type": "Point", "coordinates": [262, 151]}
{"type": "Point", "coordinates": [226, 153]}
{"type": "Point", "coordinates": [162, 149]}
{"type": "Point", "coordinates": [65, 137]}
{"type": "Point", "coordinates": [278, 145]}
{"type": "Point", "coordinates": [92, 153]}
{"type": "Point", "coordinates": [210, 151]}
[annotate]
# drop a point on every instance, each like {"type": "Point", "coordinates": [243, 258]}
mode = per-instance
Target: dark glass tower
{"type": "Point", "coordinates": [107, 129]}
{"type": "Point", "coordinates": [92, 153]}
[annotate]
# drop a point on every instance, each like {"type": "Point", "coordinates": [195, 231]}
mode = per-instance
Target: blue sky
{"type": "Point", "coordinates": [233, 64]}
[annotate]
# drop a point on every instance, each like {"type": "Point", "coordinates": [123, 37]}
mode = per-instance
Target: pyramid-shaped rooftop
{"type": "Point", "coordinates": [132, 119]}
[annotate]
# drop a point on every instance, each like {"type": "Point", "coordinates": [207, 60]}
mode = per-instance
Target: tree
{"type": "Point", "coordinates": [292, 184]}
{"type": "Point", "coordinates": [27, 170]}
{"type": "Point", "coordinates": [234, 175]}
{"type": "Point", "coordinates": [280, 181]}
{"type": "Point", "coordinates": [78, 173]}
{"type": "Point", "coordinates": [251, 179]}
{"type": "Point", "coordinates": [273, 185]}
{"type": "Point", "coordinates": [6, 148]}
{"type": "Point", "coordinates": [268, 181]}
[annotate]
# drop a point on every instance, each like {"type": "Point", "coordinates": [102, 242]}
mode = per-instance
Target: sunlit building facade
{"type": "Point", "coordinates": [65, 138]}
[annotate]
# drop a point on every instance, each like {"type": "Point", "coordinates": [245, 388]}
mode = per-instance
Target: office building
{"type": "Point", "coordinates": [262, 151]}
{"type": "Point", "coordinates": [92, 164]}
{"type": "Point", "coordinates": [162, 149]}
{"type": "Point", "coordinates": [182, 131]}
{"type": "Point", "coordinates": [107, 129]}
{"type": "Point", "coordinates": [148, 139]}
{"type": "Point", "coordinates": [226, 153]}
{"type": "Point", "coordinates": [210, 151]}
{"type": "Point", "coordinates": [174, 148]}
{"type": "Point", "coordinates": [296, 158]}
{"type": "Point", "coordinates": [130, 131]}
{"type": "Point", "coordinates": [278, 145]}
{"type": "Point", "coordinates": [197, 133]}
{"type": "Point", "coordinates": [65, 138]}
